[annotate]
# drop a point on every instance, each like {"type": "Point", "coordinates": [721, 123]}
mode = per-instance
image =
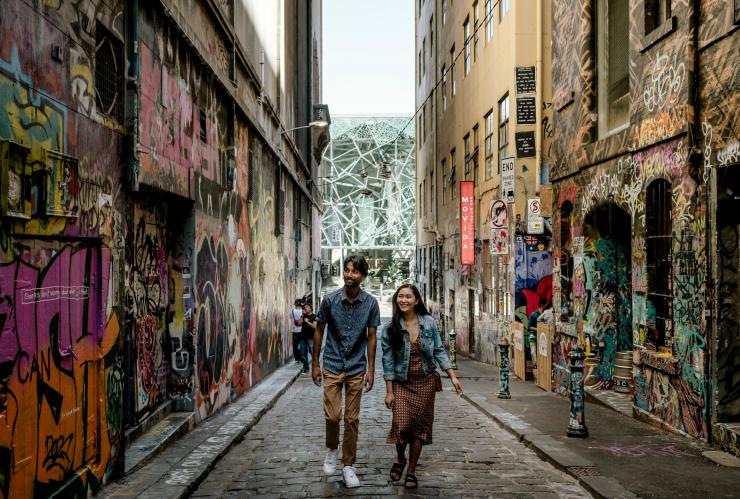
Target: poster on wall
{"type": "Point", "coordinates": [526, 111]}
{"type": "Point", "coordinates": [525, 80]}
{"type": "Point", "coordinates": [467, 223]}
{"type": "Point", "coordinates": [535, 224]}
{"type": "Point", "coordinates": [525, 146]}
{"type": "Point", "coordinates": [499, 244]}
{"type": "Point", "coordinates": [507, 180]}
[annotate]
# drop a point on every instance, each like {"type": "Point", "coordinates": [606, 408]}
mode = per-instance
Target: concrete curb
{"type": "Point", "coordinates": [176, 476]}
{"type": "Point", "coordinates": [552, 450]}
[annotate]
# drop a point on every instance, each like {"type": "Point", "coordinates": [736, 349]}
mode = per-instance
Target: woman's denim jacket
{"type": "Point", "coordinates": [396, 363]}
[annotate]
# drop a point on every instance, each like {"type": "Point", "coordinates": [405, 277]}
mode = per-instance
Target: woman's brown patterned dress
{"type": "Point", "coordinates": [413, 408]}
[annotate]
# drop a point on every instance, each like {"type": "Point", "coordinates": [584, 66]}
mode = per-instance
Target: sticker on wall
{"type": "Point", "coordinates": [499, 243]}
{"type": "Point", "coordinates": [499, 216]}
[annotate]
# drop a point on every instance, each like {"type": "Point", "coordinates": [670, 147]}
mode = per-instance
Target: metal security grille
{"type": "Point", "coordinates": [659, 267]}
{"type": "Point", "coordinates": [109, 73]}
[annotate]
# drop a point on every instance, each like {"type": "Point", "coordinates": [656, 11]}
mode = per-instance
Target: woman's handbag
{"type": "Point", "coordinates": [437, 382]}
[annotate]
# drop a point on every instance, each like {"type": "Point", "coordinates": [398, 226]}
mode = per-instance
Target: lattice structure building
{"type": "Point", "coordinates": [369, 195]}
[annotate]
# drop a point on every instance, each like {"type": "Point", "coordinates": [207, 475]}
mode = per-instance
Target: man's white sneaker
{"type": "Point", "coordinates": [350, 477]}
{"type": "Point", "coordinates": [330, 462]}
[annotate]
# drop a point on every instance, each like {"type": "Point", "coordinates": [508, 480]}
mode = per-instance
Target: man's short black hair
{"type": "Point", "coordinates": [298, 303]}
{"type": "Point", "coordinates": [358, 262]}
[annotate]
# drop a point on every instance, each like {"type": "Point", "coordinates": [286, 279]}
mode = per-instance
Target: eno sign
{"type": "Point", "coordinates": [507, 180]}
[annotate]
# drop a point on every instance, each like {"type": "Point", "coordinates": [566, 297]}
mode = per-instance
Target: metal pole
{"type": "Point", "coordinates": [503, 364]}
{"type": "Point", "coordinates": [577, 422]}
{"type": "Point", "coordinates": [453, 349]}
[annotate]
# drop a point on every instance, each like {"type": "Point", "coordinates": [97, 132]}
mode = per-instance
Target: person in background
{"type": "Point", "coordinates": [296, 324]}
{"type": "Point", "coordinates": [532, 330]}
{"type": "Point", "coordinates": [352, 317]}
{"type": "Point", "coordinates": [412, 349]}
{"type": "Point", "coordinates": [307, 331]}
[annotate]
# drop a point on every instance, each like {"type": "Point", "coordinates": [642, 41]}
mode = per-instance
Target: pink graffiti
{"type": "Point", "coordinates": [146, 351]}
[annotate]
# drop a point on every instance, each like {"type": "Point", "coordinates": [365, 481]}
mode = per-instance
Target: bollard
{"type": "Point", "coordinates": [453, 349]}
{"type": "Point", "coordinates": [577, 423]}
{"type": "Point", "coordinates": [503, 366]}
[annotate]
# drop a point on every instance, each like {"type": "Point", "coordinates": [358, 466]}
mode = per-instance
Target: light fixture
{"type": "Point", "coordinates": [311, 124]}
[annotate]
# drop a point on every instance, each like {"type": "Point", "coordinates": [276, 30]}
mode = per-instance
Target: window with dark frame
{"type": "Point", "coordinates": [432, 190]}
{"type": "Point", "coordinates": [489, 143]}
{"type": "Point", "coordinates": [109, 72]}
{"type": "Point", "coordinates": [659, 263]}
{"type": "Point", "coordinates": [466, 142]}
{"type": "Point", "coordinates": [489, 20]}
{"type": "Point", "coordinates": [444, 181]}
{"type": "Point", "coordinates": [503, 130]}
{"type": "Point", "coordinates": [476, 144]}
{"type": "Point", "coordinates": [466, 34]}
{"type": "Point", "coordinates": [453, 90]}
{"type": "Point", "coordinates": [656, 13]}
{"type": "Point", "coordinates": [612, 65]}
{"type": "Point", "coordinates": [476, 24]}
{"type": "Point", "coordinates": [453, 174]}
{"type": "Point", "coordinates": [203, 121]}
{"type": "Point", "coordinates": [444, 88]}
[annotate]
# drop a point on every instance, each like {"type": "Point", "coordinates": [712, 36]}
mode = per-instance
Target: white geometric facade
{"type": "Point", "coordinates": [368, 184]}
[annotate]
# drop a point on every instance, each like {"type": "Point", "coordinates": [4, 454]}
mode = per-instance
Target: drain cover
{"type": "Point", "coordinates": [584, 470]}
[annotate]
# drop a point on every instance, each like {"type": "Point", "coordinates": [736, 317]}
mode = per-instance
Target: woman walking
{"type": "Point", "coordinates": [412, 349]}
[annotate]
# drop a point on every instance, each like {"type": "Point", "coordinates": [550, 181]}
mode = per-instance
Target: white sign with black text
{"type": "Point", "coordinates": [507, 180]}
{"type": "Point", "coordinates": [535, 224]}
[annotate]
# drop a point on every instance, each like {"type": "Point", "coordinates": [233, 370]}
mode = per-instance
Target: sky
{"type": "Point", "coordinates": [368, 59]}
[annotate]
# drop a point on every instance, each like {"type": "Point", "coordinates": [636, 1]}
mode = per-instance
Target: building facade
{"type": "Point", "coordinates": [483, 116]}
{"type": "Point", "coordinates": [645, 148]}
{"type": "Point", "coordinates": [156, 219]}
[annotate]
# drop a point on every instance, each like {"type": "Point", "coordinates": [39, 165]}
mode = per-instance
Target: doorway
{"type": "Point", "coordinates": [607, 257]}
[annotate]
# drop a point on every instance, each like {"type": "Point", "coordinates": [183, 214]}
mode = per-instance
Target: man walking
{"type": "Point", "coordinates": [296, 323]}
{"type": "Point", "coordinates": [352, 317]}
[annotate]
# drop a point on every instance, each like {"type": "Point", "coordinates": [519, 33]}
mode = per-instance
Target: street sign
{"type": "Point", "coordinates": [507, 179]}
{"type": "Point", "coordinates": [535, 224]}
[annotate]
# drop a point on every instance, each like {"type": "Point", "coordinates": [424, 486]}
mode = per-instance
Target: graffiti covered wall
{"type": "Point", "coordinates": [61, 240]}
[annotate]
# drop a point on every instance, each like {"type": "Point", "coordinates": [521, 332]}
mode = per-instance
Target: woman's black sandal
{"type": "Point", "coordinates": [397, 471]}
{"type": "Point", "coordinates": [411, 481]}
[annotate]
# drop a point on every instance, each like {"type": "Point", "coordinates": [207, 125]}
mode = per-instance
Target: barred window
{"type": "Point", "coordinates": [109, 72]}
{"type": "Point", "coordinates": [659, 269]}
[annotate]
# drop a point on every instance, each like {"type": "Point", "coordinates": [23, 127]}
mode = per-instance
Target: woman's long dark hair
{"type": "Point", "coordinates": [395, 334]}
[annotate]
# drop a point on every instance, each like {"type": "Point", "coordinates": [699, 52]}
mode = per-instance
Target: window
{"type": "Point", "coordinates": [466, 142]}
{"type": "Point", "coordinates": [443, 180]}
{"type": "Point", "coordinates": [489, 20]}
{"type": "Point", "coordinates": [421, 191]}
{"type": "Point", "coordinates": [419, 68]}
{"type": "Point", "coordinates": [503, 130]}
{"type": "Point", "coordinates": [452, 69]}
{"type": "Point", "coordinates": [466, 29]}
{"type": "Point", "coordinates": [444, 88]}
{"type": "Point", "coordinates": [656, 13]}
{"type": "Point", "coordinates": [476, 143]}
{"type": "Point", "coordinates": [503, 9]}
{"type": "Point", "coordinates": [203, 127]}
{"type": "Point", "coordinates": [423, 55]}
{"type": "Point", "coordinates": [453, 174]}
{"type": "Point", "coordinates": [432, 189]}
{"type": "Point", "coordinates": [612, 63]}
{"type": "Point", "coordinates": [431, 35]}
{"type": "Point", "coordinates": [444, 12]}
{"type": "Point", "coordinates": [423, 127]}
{"type": "Point", "coordinates": [109, 71]}
{"type": "Point", "coordinates": [476, 24]}
{"type": "Point", "coordinates": [489, 144]}
{"type": "Point", "coordinates": [659, 240]}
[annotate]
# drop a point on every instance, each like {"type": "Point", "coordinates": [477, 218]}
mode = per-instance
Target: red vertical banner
{"type": "Point", "coordinates": [467, 223]}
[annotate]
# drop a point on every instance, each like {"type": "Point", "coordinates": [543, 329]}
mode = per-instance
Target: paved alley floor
{"type": "Point", "coordinates": [282, 455]}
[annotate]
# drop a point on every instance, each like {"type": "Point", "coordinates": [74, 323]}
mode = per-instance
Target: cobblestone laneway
{"type": "Point", "coordinates": [282, 455]}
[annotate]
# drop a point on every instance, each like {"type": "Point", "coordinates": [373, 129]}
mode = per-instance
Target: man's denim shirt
{"type": "Point", "coordinates": [396, 363]}
{"type": "Point", "coordinates": [346, 324]}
